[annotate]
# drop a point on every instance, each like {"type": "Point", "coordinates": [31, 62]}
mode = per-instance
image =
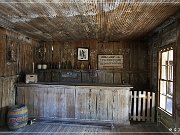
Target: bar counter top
{"type": "Point", "coordinates": [71, 84]}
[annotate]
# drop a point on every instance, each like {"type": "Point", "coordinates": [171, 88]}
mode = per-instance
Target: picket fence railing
{"type": "Point", "coordinates": [142, 106]}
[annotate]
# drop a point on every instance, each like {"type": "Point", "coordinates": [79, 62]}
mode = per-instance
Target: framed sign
{"type": "Point", "coordinates": [82, 54]}
{"type": "Point", "coordinates": [110, 61]}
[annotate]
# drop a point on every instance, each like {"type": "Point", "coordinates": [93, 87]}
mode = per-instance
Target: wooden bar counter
{"type": "Point", "coordinates": [76, 102]}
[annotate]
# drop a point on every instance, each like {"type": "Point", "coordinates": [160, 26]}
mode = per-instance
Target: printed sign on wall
{"type": "Point", "coordinates": [110, 61]}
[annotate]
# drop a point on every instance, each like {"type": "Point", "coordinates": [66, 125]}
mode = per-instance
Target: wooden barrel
{"type": "Point", "coordinates": [17, 117]}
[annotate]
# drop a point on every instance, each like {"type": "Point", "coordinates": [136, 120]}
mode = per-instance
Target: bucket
{"type": "Point", "coordinates": [39, 66]}
{"type": "Point", "coordinates": [17, 117]}
{"type": "Point", "coordinates": [44, 66]}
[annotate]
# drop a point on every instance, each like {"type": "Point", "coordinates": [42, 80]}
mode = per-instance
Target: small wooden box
{"type": "Point", "coordinates": [31, 78]}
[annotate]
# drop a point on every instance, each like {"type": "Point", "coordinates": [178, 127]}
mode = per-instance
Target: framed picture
{"type": "Point", "coordinates": [82, 54]}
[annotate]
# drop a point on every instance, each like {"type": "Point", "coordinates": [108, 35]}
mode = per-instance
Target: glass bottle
{"type": "Point", "coordinates": [69, 65]}
{"type": "Point", "coordinates": [89, 66]}
{"type": "Point", "coordinates": [82, 66]}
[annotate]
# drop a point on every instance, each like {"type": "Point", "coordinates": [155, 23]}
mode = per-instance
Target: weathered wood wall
{"type": "Point", "coordinates": [177, 95]}
{"type": "Point", "coordinates": [11, 70]}
{"type": "Point", "coordinates": [7, 96]}
{"type": "Point", "coordinates": [166, 35]}
{"type": "Point", "coordinates": [162, 37]}
{"type": "Point", "coordinates": [94, 103]}
{"type": "Point", "coordinates": [135, 64]}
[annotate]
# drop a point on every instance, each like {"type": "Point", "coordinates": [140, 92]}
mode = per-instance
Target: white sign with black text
{"type": "Point", "coordinates": [110, 61]}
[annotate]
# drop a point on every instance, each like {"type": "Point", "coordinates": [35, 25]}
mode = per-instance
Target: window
{"type": "Point", "coordinates": [166, 80]}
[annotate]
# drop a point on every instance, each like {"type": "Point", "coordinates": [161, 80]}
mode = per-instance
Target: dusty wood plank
{"type": "Point", "coordinates": [52, 102]}
{"type": "Point", "coordinates": [109, 78]}
{"type": "Point", "coordinates": [36, 103]}
{"type": "Point", "coordinates": [41, 102]}
{"type": "Point", "coordinates": [101, 77]}
{"type": "Point", "coordinates": [93, 103]}
{"type": "Point", "coordinates": [126, 102]}
{"type": "Point", "coordinates": [102, 105]}
{"type": "Point", "coordinates": [1, 63]}
{"type": "Point", "coordinates": [98, 103]}
{"type": "Point", "coordinates": [46, 108]}
{"type": "Point", "coordinates": [70, 100]}
{"type": "Point", "coordinates": [4, 100]}
{"type": "Point", "coordinates": [86, 77]}
{"type": "Point", "coordinates": [121, 103]}
{"type": "Point", "coordinates": [8, 97]}
{"type": "Point", "coordinates": [131, 105]}
{"type": "Point", "coordinates": [139, 106]}
{"type": "Point", "coordinates": [115, 105]}
{"type": "Point", "coordinates": [117, 78]}
{"type": "Point", "coordinates": [81, 103]}
{"type": "Point", "coordinates": [134, 111]}
{"type": "Point", "coordinates": [30, 104]}
{"type": "Point", "coordinates": [124, 95]}
{"type": "Point", "coordinates": [49, 102]}
{"type": "Point", "coordinates": [87, 103]}
{"type": "Point", "coordinates": [148, 105]}
{"type": "Point", "coordinates": [26, 98]}
{"type": "Point", "coordinates": [109, 105]}
{"type": "Point", "coordinates": [125, 78]}
{"type": "Point", "coordinates": [153, 107]}
{"type": "Point", "coordinates": [18, 96]}
{"type": "Point", "coordinates": [13, 91]}
{"type": "Point", "coordinates": [177, 71]}
{"type": "Point", "coordinates": [1, 98]}
{"type": "Point", "coordinates": [144, 106]}
{"type": "Point", "coordinates": [61, 106]}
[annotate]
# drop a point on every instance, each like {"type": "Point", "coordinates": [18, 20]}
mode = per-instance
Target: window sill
{"type": "Point", "coordinates": [164, 112]}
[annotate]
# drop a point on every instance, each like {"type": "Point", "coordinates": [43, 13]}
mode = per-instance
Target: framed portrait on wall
{"type": "Point", "coordinates": [82, 54]}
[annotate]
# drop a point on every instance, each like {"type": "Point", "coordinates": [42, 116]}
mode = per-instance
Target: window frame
{"type": "Point", "coordinates": [160, 51]}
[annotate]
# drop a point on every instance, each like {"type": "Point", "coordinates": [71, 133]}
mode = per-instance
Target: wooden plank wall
{"type": "Point", "coordinates": [135, 54]}
{"type": "Point", "coordinates": [94, 103]}
{"type": "Point", "coordinates": [177, 95]}
{"type": "Point", "coordinates": [7, 96]}
{"type": "Point", "coordinates": [162, 37]}
{"type": "Point", "coordinates": [9, 71]}
{"type": "Point", "coordinates": [165, 35]}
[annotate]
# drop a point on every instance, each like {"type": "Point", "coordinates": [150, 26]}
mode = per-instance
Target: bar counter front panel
{"type": "Point", "coordinates": [76, 102]}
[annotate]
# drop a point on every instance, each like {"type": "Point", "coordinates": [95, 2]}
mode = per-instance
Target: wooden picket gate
{"type": "Point", "coordinates": [142, 106]}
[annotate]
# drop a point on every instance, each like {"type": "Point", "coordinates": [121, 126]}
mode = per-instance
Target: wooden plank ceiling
{"type": "Point", "coordinates": [105, 20]}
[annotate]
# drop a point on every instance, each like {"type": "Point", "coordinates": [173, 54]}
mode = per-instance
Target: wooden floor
{"type": "Point", "coordinates": [47, 128]}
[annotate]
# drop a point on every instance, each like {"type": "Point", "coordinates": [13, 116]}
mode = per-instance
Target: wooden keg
{"type": "Point", "coordinates": [17, 117]}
